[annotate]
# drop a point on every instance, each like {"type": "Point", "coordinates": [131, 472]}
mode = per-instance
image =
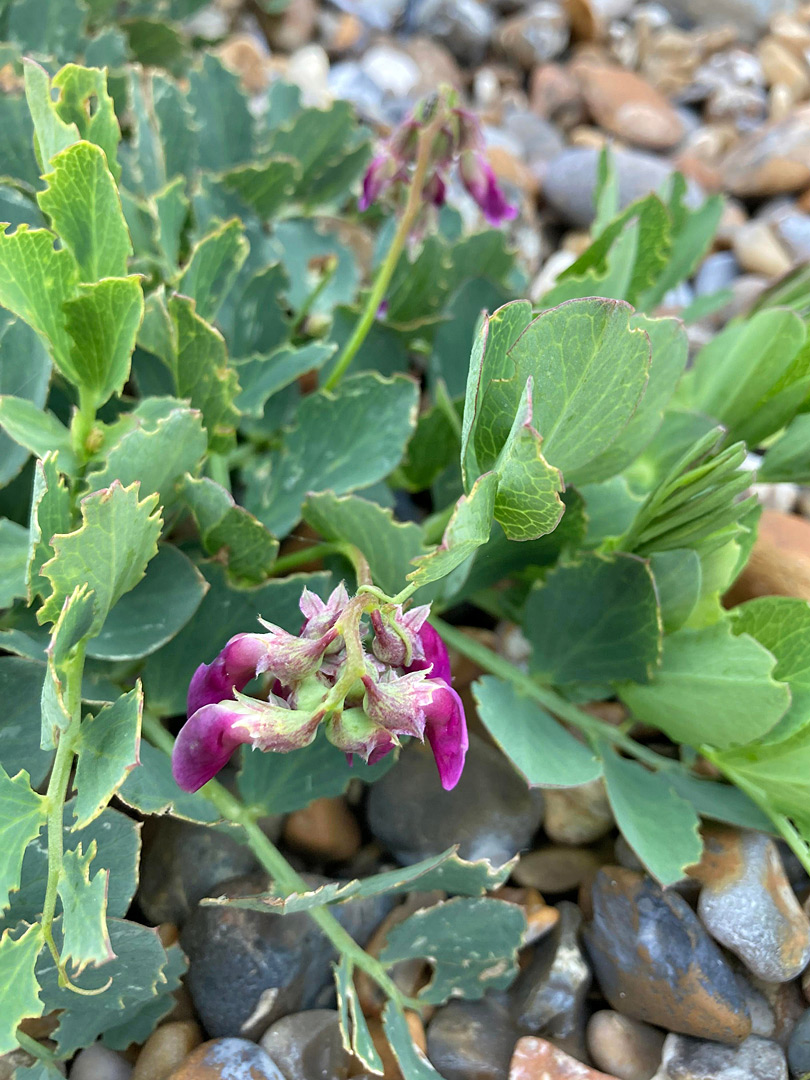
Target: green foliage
{"type": "Point", "coordinates": [22, 818]}
{"type": "Point", "coordinates": [19, 996]}
{"type": "Point", "coordinates": [108, 751]}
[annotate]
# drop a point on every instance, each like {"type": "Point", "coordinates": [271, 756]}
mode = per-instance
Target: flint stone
{"type": "Point", "coordinates": [308, 1046]}
{"type": "Point", "coordinates": [698, 1059]}
{"type": "Point", "coordinates": [655, 962]}
{"type": "Point", "coordinates": [464, 26]}
{"type": "Point", "coordinates": [472, 1040]}
{"type": "Point", "coordinates": [798, 1053]}
{"type": "Point", "coordinates": [490, 814]}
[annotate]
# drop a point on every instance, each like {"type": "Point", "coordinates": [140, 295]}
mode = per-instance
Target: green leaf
{"type": "Point", "coordinates": [84, 910]}
{"type": "Point", "coordinates": [433, 446]}
{"type": "Point", "coordinates": [527, 502]}
{"type": "Point", "coordinates": [22, 815]}
{"type": "Point", "coordinates": [85, 103]}
{"type": "Point", "coordinates": [83, 204]}
{"type": "Point", "coordinates": [157, 452]}
{"type": "Point", "coordinates": [594, 621]}
{"type": "Point", "coordinates": [141, 1021]}
{"type": "Point", "coordinates": [722, 802]}
{"type": "Point", "coordinates": [539, 747]}
{"type": "Point", "coordinates": [224, 611]}
{"type": "Point", "coordinates": [468, 528]}
{"type": "Point", "coordinates": [151, 789]}
{"type": "Point", "coordinates": [712, 687]}
{"type": "Point", "coordinates": [19, 989]}
{"type": "Point", "coordinates": [779, 770]}
{"type": "Point", "coordinates": [446, 872]}
{"type": "Point", "coordinates": [678, 580]}
{"type": "Point", "coordinates": [20, 689]}
{"type": "Point", "coordinates": [221, 112]}
{"type": "Point", "coordinates": [472, 945]}
{"type": "Point", "coordinates": [13, 561]}
{"type": "Point", "coordinates": [108, 752]}
{"type": "Point", "coordinates": [172, 210]}
{"type": "Point", "coordinates": [228, 528]}
{"type": "Point", "coordinates": [262, 376]}
{"type": "Point", "coordinates": [388, 545]}
{"type": "Point", "coordinates": [658, 824]}
{"type": "Point", "coordinates": [103, 321]}
{"type": "Point", "coordinates": [260, 331]}
{"type": "Point", "coordinates": [137, 974]}
{"type": "Point", "coordinates": [50, 514]}
{"type": "Point", "coordinates": [742, 375]}
{"type": "Point", "coordinates": [52, 134]}
{"type": "Point", "coordinates": [155, 611]}
{"type": "Point", "coordinates": [110, 550]}
{"type": "Point", "coordinates": [353, 1027]}
{"type": "Point", "coordinates": [155, 43]}
{"type": "Point", "coordinates": [281, 783]}
{"type": "Point", "coordinates": [35, 281]}
{"type": "Point", "coordinates": [265, 187]}
{"type": "Point", "coordinates": [788, 459]}
{"type": "Point", "coordinates": [39, 432]}
{"type": "Point", "coordinates": [202, 373]}
{"type": "Point", "coordinates": [412, 1061]}
{"type": "Point", "coordinates": [333, 446]}
{"type": "Point", "coordinates": [213, 266]}
{"type": "Point", "coordinates": [72, 627]}
{"type": "Point", "coordinates": [782, 625]}
{"type": "Point", "coordinates": [24, 376]}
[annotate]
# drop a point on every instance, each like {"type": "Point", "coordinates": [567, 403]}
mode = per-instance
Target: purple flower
{"type": "Point", "coordinates": [354, 733]}
{"type": "Point", "coordinates": [233, 669]}
{"type": "Point", "coordinates": [446, 731]}
{"type": "Point", "coordinates": [480, 181]}
{"type": "Point", "coordinates": [379, 176]}
{"type": "Point", "coordinates": [432, 655]}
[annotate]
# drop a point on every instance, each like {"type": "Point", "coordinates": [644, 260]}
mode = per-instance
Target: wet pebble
{"type": "Point", "coordinates": [629, 1049]}
{"type": "Point", "coordinates": [228, 1059]}
{"type": "Point", "coordinates": [308, 1046]}
{"type": "Point", "coordinates": [748, 905]}
{"type": "Point", "coordinates": [248, 968]}
{"type": "Point", "coordinates": [472, 1040]}
{"type": "Point", "coordinates": [549, 994]}
{"type": "Point", "coordinates": [798, 1051]}
{"type": "Point", "coordinates": [490, 814]}
{"type": "Point", "coordinates": [165, 1049]}
{"type": "Point", "coordinates": [698, 1059]}
{"type": "Point", "coordinates": [577, 815]}
{"type": "Point", "coordinates": [654, 960]}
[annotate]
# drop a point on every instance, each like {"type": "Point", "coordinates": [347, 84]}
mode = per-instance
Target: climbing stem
{"type": "Point", "coordinates": [306, 555]}
{"type": "Point", "coordinates": [285, 878]}
{"type": "Point", "coordinates": [413, 205]}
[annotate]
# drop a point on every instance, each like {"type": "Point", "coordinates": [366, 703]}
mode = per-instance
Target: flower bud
{"type": "Point", "coordinates": [354, 733]}
{"type": "Point", "coordinates": [273, 725]}
{"type": "Point", "coordinates": [398, 704]}
{"type": "Point", "coordinates": [379, 176]}
{"type": "Point", "coordinates": [430, 654]}
{"type": "Point", "coordinates": [290, 658]}
{"type": "Point", "coordinates": [321, 616]}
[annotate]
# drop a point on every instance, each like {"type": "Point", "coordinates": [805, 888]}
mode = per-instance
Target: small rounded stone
{"type": "Point", "coordinates": [228, 1059]}
{"type": "Point", "coordinates": [798, 1051]}
{"type": "Point", "coordinates": [326, 828]}
{"type": "Point", "coordinates": [166, 1048]}
{"type": "Point", "coordinates": [629, 1049]}
{"type": "Point", "coordinates": [556, 869]}
{"type": "Point", "coordinates": [577, 815]}
{"type": "Point", "coordinates": [98, 1062]}
{"type": "Point", "coordinates": [308, 1046]}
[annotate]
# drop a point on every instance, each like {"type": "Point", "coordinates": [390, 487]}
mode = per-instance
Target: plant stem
{"type": "Point", "coordinates": [386, 271]}
{"type": "Point", "coordinates": [218, 470]}
{"type": "Point", "coordinates": [34, 1048]}
{"type": "Point", "coordinates": [549, 699]}
{"type": "Point", "coordinates": [284, 876]}
{"type": "Point", "coordinates": [82, 425]}
{"type": "Point", "coordinates": [319, 551]}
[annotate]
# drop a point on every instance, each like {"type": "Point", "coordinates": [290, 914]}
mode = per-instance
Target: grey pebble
{"type": "Point", "coordinates": [472, 1040]}
{"type": "Point", "coordinates": [308, 1046]}
{"type": "Point", "coordinates": [685, 1058]}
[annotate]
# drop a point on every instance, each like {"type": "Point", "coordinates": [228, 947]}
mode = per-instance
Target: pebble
{"type": "Point", "coordinates": [655, 962]}
{"type": "Point", "coordinates": [556, 869]}
{"type": "Point", "coordinates": [538, 1059]}
{"type": "Point", "coordinates": [794, 231]}
{"type": "Point", "coordinates": [228, 1059]}
{"type": "Point", "coordinates": [536, 35]}
{"type": "Point", "coordinates": [490, 814]}
{"type": "Point", "coordinates": [294, 27]}
{"type": "Point", "coordinates": [577, 815]}
{"type": "Point", "coordinates": [779, 564]}
{"type": "Point", "coordinates": [628, 106]}
{"type": "Point", "coordinates": [748, 17]}
{"type": "Point", "coordinates": [781, 65]}
{"type": "Point", "coordinates": [165, 1049]}
{"type": "Point", "coordinates": [391, 69]}
{"type": "Point", "coordinates": [627, 1048]}
{"type": "Point", "coordinates": [308, 69]}
{"type": "Point", "coordinates": [464, 26]}
{"type": "Point", "coordinates": [378, 14]}
{"type": "Point", "coordinates": [549, 993]}
{"type": "Point", "coordinates": [773, 159]}
{"type": "Point", "coordinates": [308, 1046]}
{"type": "Point", "coordinates": [248, 968]}
{"type": "Point", "coordinates": [591, 19]}
{"type": "Point", "coordinates": [326, 828]}
{"type": "Point", "coordinates": [699, 1059]}
{"type": "Point", "coordinates": [798, 1051]}
{"type": "Point", "coordinates": [716, 273]}
{"type": "Point", "coordinates": [472, 1040]}
{"type": "Point", "coordinates": [243, 53]}
{"type": "Point", "coordinates": [182, 863]}
{"type": "Point", "coordinates": [554, 94]}
{"type": "Point", "coordinates": [759, 251]}
{"type": "Point", "coordinates": [98, 1062]}
{"type": "Point", "coordinates": [570, 182]}
{"type": "Point", "coordinates": [786, 1003]}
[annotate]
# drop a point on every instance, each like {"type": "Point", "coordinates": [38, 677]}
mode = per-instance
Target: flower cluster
{"type": "Point", "coordinates": [367, 671]}
{"type": "Point", "coordinates": [458, 141]}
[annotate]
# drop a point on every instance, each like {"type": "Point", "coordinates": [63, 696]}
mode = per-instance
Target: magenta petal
{"type": "Point", "coordinates": [482, 184]}
{"type": "Point", "coordinates": [436, 659]}
{"type": "Point", "coordinates": [375, 181]}
{"type": "Point", "coordinates": [232, 670]}
{"type": "Point", "coordinates": [446, 732]}
{"type": "Point", "coordinates": [205, 744]}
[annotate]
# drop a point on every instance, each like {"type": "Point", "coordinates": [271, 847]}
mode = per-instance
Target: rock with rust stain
{"type": "Point", "coordinates": [655, 961]}
{"type": "Point", "coordinates": [538, 1059]}
{"type": "Point", "coordinates": [228, 1059]}
{"type": "Point", "coordinates": [700, 1059]}
{"type": "Point", "coordinates": [746, 903]}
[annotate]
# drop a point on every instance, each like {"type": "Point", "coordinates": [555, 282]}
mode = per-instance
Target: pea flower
{"type": "Point", "coordinates": [367, 671]}
{"type": "Point", "coordinates": [458, 141]}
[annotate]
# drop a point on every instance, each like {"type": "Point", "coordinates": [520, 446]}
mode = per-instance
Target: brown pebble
{"type": "Point", "coordinates": [629, 1048]}
{"type": "Point", "coordinates": [166, 1048]}
{"type": "Point", "coordinates": [326, 827]}
{"type": "Point", "coordinates": [227, 1059]}
{"type": "Point", "coordinates": [242, 54]}
{"type": "Point", "coordinates": [556, 869]}
{"type": "Point", "coordinates": [540, 916]}
{"type": "Point", "coordinates": [577, 815]}
{"type": "Point", "coordinates": [391, 1070]}
{"type": "Point", "coordinates": [538, 1059]}
{"type": "Point", "coordinates": [627, 105]}
{"type": "Point", "coordinates": [779, 564]}
{"type": "Point", "coordinates": [554, 94]}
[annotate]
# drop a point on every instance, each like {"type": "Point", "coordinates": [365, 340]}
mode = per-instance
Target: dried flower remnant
{"type": "Point", "coordinates": [366, 670]}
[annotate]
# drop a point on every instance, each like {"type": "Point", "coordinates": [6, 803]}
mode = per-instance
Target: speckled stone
{"type": "Point", "coordinates": [308, 1046]}
{"type": "Point", "coordinates": [654, 960]}
{"type": "Point", "coordinates": [228, 1059]}
{"type": "Point", "coordinates": [490, 814]}
{"type": "Point", "coordinates": [549, 994]}
{"type": "Point", "coordinates": [747, 904]}
{"type": "Point", "coordinates": [627, 1048]}
{"type": "Point", "coordinates": [472, 1040]}
{"type": "Point", "coordinates": [700, 1059]}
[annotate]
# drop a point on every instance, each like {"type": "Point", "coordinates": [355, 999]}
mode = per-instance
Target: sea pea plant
{"type": "Point", "coordinates": [179, 278]}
